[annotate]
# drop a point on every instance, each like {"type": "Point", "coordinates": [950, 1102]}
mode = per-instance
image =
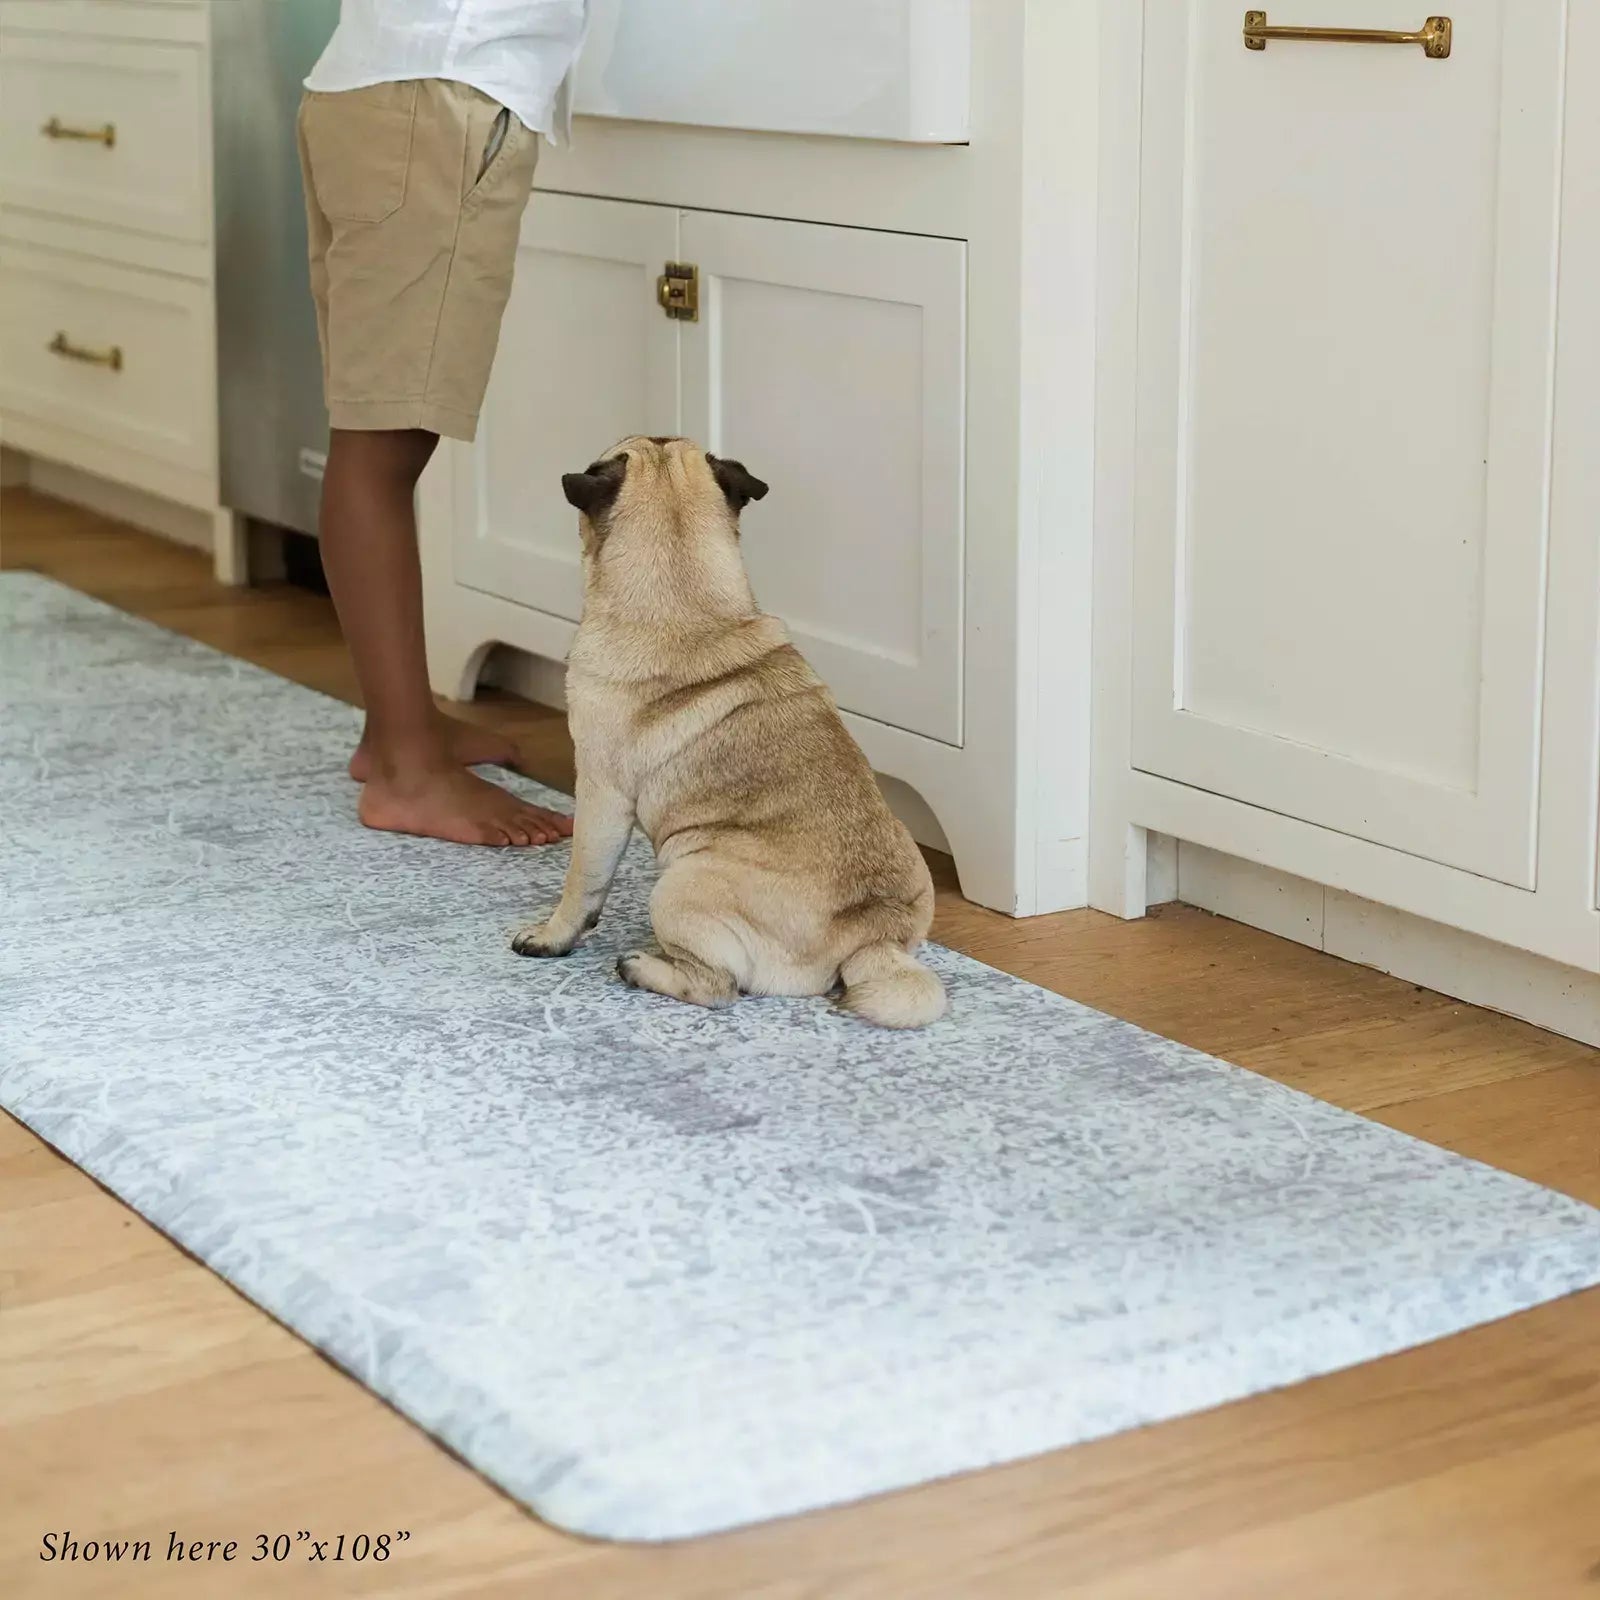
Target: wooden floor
{"type": "Point", "coordinates": [139, 1395]}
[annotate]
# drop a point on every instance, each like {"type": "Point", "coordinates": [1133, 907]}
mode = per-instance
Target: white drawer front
{"type": "Point", "coordinates": [158, 397]}
{"type": "Point", "coordinates": [130, 132]}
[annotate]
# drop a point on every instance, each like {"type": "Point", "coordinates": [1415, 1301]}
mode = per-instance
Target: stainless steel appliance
{"type": "Point", "coordinates": [273, 427]}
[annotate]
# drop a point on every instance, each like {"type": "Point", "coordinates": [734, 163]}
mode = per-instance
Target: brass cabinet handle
{"type": "Point", "coordinates": [1433, 35]}
{"type": "Point", "coordinates": [55, 128]}
{"type": "Point", "coordinates": [61, 345]}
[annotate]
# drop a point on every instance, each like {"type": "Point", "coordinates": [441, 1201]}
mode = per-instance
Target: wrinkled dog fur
{"type": "Point", "coordinates": [783, 872]}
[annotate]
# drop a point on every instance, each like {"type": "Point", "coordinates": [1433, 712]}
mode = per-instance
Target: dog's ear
{"type": "Point", "coordinates": [738, 484]}
{"type": "Point", "coordinates": [593, 490]}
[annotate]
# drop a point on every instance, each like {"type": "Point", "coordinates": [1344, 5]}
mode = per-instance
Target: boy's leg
{"type": "Point", "coordinates": [468, 744]}
{"type": "Point", "coordinates": [413, 236]}
{"type": "Point", "coordinates": [413, 770]}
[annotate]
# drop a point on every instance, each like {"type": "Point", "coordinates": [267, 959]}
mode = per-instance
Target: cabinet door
{"type": "Point", "coordinates": [830, 361]}
{"type": "Point", "coordinates": [1347, 258]}
{"type": "Point", "coordinates": [586, 357]}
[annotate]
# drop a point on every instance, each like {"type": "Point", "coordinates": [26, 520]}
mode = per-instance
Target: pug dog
{"type": "Point", "coordinates": [783, 871]}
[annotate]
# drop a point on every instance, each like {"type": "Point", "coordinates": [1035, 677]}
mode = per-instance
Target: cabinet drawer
{"type": "Point", "coordinates": [121, 356]}
{"type": "Point", "coordinates": [106, 131]}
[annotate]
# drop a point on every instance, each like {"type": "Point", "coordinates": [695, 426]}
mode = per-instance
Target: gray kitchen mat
{"type": "Point", "coordinates": [656, 1271]}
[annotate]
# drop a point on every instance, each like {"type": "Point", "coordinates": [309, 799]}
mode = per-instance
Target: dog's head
{"type": "Point", "coordinates": [663, 514]}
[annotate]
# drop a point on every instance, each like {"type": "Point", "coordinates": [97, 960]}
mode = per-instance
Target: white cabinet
{"type": "Point", "coordinates": [1358, 638]}
{"type": "Point", "coordinates": [898, 336]}
{"type": "Point", "coordinates": [1346, 342]}
{"type": "Point", "coordinates": [107, 309]}
{"type": "Point", "coordinates": [829, 360]}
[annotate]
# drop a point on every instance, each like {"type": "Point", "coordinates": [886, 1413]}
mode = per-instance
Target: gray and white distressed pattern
{"type": "Point", "coordinates": [654, 1270]}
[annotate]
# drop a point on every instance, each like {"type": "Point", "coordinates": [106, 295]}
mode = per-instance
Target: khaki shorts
{"type": "Point", "coordinates": [413, 245]}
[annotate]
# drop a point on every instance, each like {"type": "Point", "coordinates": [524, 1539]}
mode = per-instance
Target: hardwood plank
{"type": "Point", "coordinates": [1430, 1050]}
{"type": "Point", "coordinates": [1489, 1527]}
{"type": "Point", "coordinates": [1545, 1127]}
{"type": "Point", "coordinates": [143, 1394]}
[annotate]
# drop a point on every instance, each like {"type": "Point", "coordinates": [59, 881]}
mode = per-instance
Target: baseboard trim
{"type": "Point", "coordinates": [89, 454]}
{"type": "Point", "coordinates": [122, 503]}
{"type": "Point", "coordinates": [1564, 999]}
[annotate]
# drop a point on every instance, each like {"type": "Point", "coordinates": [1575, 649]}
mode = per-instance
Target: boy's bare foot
{"type": "Point", "coordinates": [464, 744]}
{"type": "Point", "coordinates": [456, 805]}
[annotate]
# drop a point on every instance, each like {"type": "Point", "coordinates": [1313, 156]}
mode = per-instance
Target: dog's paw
{"type": "Point", "coordinates": [537, 939]}
{"type": "Point", "coordinates": [628, 968]}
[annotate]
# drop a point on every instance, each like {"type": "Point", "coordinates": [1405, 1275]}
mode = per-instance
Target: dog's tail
{"type": "Point", "coordinates": [885, 985]}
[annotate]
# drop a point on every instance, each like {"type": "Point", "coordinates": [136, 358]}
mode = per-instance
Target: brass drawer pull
{"type": "Point", "coordinates": [55, 128]}
{"type": "Point", "coordinates": [1433, 35]}
{"type": "Point", "coordinates": [61, 345]}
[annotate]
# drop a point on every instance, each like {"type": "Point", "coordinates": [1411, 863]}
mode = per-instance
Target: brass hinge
{"type": "Point", "coordinates": [678, 291]}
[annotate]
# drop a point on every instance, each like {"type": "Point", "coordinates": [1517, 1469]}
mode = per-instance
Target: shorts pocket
{"type": "Point", "coordinates": [358, 144]}
{"type": "Point", "coordinates": [510, 169]}
{"type": "Point", "coordinates": [497, 138]}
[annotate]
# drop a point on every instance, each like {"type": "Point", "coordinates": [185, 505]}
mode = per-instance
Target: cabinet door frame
{"type": "Point", "coordinates": [628, 232]}
{"type": "Point", "coordinates": [1489, 829]}
{"type": "Point", "coordinates": [924, 694]}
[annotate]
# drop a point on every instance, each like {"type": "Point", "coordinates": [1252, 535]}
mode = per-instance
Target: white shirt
{"type": "Point", "coordinates": [518, 52]}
